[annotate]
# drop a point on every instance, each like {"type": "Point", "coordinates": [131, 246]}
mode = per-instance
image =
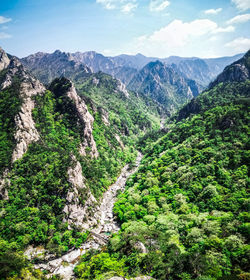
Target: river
{"type": "Point", "coordinates": [64, 265]}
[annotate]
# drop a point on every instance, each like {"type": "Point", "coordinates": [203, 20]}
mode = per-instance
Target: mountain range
{"type": "Point", "coordinates": [171, 81]}
{"type": "Point", "coordinates": [124, 67]}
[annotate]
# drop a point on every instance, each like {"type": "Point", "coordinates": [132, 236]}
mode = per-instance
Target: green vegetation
{"type": "Point", "coordinates": [132, 115]}
{"type": "Point", "coordinates": [184, 214]}
{"type": "Point", "coordinates": [9, 107]}
{"type": "Point", "coordinates": [221, 94]}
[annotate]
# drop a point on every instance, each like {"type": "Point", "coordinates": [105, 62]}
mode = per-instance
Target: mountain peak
{"type": "Point", "coordinates": [140, 55]}
{"type": "Point", "coordinates": [156, 63]}
{"type": "Point", "coordinates": [238, 71]}
{"type": "Point", "coordinates": [4, 59]}
{"type": "Point", "coordinates": [58, 52]}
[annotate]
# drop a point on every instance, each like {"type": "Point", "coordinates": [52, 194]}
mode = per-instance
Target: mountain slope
{"type": "Point", "coordinates": [163, 84]}
{"type": "Point", "coordinates": [239, 71]}
{"type": "Point", "coordinates": [47, 67]}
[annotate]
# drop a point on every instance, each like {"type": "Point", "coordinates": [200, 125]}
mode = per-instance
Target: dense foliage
{"type": "Point", "coordinates": [131, 114]}
{"type": "Point", "coordinates": [185, 214]}
{"type": "Point", "coordinates": [9, 99]}
{"type": "Point", "coordinates": [221, 94]}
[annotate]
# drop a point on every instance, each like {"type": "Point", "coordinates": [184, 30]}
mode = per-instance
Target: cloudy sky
{"type": "Point", "coordinates": [157, 28]}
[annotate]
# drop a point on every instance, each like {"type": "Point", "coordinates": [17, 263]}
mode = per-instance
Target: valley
{"type": "Point", "coordinates": [125, 167]}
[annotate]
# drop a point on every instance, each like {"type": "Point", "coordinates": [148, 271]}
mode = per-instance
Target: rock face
{"type": "Point", "coordinates": [4, 60]}
{"type": "Point", "coordinates": [75, 212]}
{"type": "Point", "coordinates": [122, 88]}
{"type": "Point", "coordinates": [163, 84]}
{"type": "Point", "coordinates": [26, 132]}
{"type": "Point", "coordinates": [239, 71]}
{"type": "Point", "coordinates": [87, 119]}
{"type": "Point", "coordinates": [3, 181]}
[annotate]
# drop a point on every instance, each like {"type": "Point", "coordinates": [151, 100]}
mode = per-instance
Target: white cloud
{"type": "Point", "coordinates": [125, 6]}
{"type": "Point", "coordinates": [158, 5]}
{"type": "Point", "coordinates": [178, 33]}
{"type": "Point", "coordinates": [108, 4]}
{"type": "Point", "coordinates": [4, 35]}
{"type": "Point", "coordinates": [225, 29]}
{"type": "Point", "coordinates": [239, 19]}
{"type": "Point", "coordinates": [128, 8]}
{"type": "Point", "coordinates": [182, 38]}
{"type": "Point", "coordinates": [213, 11]}
{"type": "Point", "coordinates": [4, 19]}
{"type": "Point", "coordinates": [240, 44]}
{"type": "Point", "coordinates": [242, 5]}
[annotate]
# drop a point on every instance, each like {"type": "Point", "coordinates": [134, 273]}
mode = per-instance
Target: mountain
{"type": "Point", "coordinates": [216, 65]}
{"type": "Point", "coordinates": [163, 84]}
{"type": "Point", "coordinates": [137, 61]}
{"type": "Point", "coordinates": [231, 84]}
{"type": "Point", "coordinates": [195, 69]}
{"type": "Point", "coordinates": [47, 67]}
{"type": "Point", "coordinates": [239, 71]}
{"type": "Point", "coordinates": [184, 214]}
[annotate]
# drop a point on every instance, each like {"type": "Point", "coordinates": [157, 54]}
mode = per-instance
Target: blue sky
{"type": "Point", "coordinates": [152, 27]}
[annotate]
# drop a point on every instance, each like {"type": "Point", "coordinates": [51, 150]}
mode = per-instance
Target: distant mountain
{"type": "Point", "coordinates": [47, 67]}
{"type": "Point", "coordinates": [195, 69]}
{"type": "Point", "coordinates": [203, 71]}
{"type": "Point", "coordinates": [137, 61]}
{"type": "Point", "coordinates": [164, 84]}
{"type": "Point", "coordinates": [123, 67]}
{"type": "Point", "coordinates": [239, 71]}
{"type": "Point", "coordinates": [231, 85]}
{"type": "Point", "coordinates": [216, 65]}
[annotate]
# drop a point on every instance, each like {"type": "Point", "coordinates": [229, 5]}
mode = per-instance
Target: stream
{"type": "Point", "coordinates": [65, 265]}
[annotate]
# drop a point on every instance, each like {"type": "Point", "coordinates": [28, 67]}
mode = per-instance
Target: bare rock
{"type": "Point", "coordinates": [4, 60]}
{"type": "Point", "coordinates": [26, 132]}
{"type": "Point", "coordinates": [4, 180]}
{"type": "Point", "coordinates": [87, 119]}
{"type": "Point", "coordinates": [75, 212]}
{"type": "Point", "coordinates": [122, 88]}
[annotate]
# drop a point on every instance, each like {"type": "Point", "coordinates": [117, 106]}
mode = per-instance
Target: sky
{"type": "Point", "coordinates": [156, 28]}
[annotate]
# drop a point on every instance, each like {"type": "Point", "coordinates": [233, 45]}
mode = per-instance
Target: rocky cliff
{"type": "Point", "coordinates": [164, 84]}
{"type": "Point", "coordinates": [238, 71]}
